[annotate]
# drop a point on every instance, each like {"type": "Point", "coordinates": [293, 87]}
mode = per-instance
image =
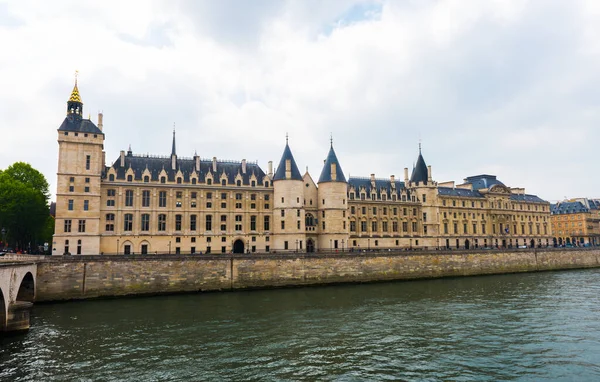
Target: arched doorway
{"type": "Point", "coordinates": [467, 244]}
{"type": "Point", "coordinates": [310, 245]}
{"type": "Point", "coordinates": [238, 246]}
{"type": "Point", "coordinates": [532, 243]}
{"type": "Point", "coordinates": [26, 289]}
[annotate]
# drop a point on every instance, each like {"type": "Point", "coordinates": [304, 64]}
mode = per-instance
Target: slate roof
{"type": "Point", "coordinates": [326, 172]}
{"type": "Point", "coordinates": [280, 172]}
{"type": "Point", "coordinates": [483, 181]}
{"type": "Point", "coordinates": [155, 165]}
{"type": "Point", "coordinates": [568, 208]}
{"type": "Point", "coordinates": [459, 192]}
{"type": "Point", "coordinates": [527, 198]}
{"type": "Point", "coordinates": [75, 123]}
{"type": "Point", "coordinates": [380, 184]}
{"type": "Point", "coordinates": [419, 172]}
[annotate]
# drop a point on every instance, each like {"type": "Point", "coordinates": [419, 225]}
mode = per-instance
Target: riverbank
{"type": "Point", "coordinates": [83, 277]}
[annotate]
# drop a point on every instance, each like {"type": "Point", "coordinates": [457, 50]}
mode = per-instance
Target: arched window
{"type": "Point", "coordinates": [111, 177]}
{"type": "Point", "coordinates": [209, 181]}
{"type": "Point", "coordinates": [146, 179]}
{"type": "Point", "coordinates": [238, 183]}
{"type": "Point", "coordinates": [129, 178]}
{"type": "Point", "coordinates": [223, 182]}
{"type": "Point", "coordinates": [79, 247]}
{"type": "Point", "coordinates": [193, 180]}
{"type": "Point", "coordinates": [178, 180]}
{"type": "Point", "coordinates": [253, 184]}
{"type": "Point", "coordinates": [266, 183]}
{"type": "Point", "coordinates": [163, 179]}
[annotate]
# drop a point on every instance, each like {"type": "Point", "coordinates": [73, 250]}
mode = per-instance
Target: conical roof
{"type": "Point", "coordinates": [419, 173]}
{"type": "Point", "coordinates": [326, 173]}
{"type": "Point", "coordinates": [75, 97]}
{"type": "Point", "coordinates": [280, 173]}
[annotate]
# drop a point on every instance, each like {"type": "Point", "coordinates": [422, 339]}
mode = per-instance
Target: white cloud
{"type": "Point", "coordinates": [509, 87]}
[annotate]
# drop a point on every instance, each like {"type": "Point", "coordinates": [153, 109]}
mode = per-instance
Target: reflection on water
{"type": "Point", "coordinates": [527, 326]}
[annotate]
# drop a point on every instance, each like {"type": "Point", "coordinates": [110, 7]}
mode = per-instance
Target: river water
{"type": "Point", "coordinates": [511, 327]}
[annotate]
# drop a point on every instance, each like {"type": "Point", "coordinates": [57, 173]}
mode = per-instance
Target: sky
{"type": "Point", "coordinates": [509, 88]}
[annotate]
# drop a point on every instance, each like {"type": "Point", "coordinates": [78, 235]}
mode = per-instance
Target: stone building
{"type": "Point", "coordinates": [142, 204]}
{"type": "Point", "coordinates": [576, 222]}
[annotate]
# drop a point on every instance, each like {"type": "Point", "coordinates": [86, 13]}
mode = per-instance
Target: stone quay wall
{"type": "Point", "coordinates": [82, 277]}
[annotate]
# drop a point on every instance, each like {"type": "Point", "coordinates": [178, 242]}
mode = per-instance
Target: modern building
{"type": "Point", "coordinates": [141, 204]}
{"type": "Point", "coordinates": [576, 222]}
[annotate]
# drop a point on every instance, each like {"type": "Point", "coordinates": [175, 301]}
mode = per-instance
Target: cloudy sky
{"type": "Point", "coordinates": [510, 88]}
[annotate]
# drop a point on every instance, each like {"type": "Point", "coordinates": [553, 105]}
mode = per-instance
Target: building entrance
{"type": "Point", "coordinates": [310, 245]}
{"type": "Point", "coordinates": [238, 246]}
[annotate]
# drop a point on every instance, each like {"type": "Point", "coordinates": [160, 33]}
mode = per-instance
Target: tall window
{"type": "Point", "coordinates": [192, 222]}
{"type": "Point", "coordinates": [374, 226]}
{"type": "Point", "coordinates": [88, 160]}
{"type": "Point", "coordinates": [67, 225]}
{"type": "Point", "coordinates": [129, 198]}
{"type": "Point", "coordinates": [162, 222]}
{"type": "Point", "coordinates": [70, 204]}
{"type": "Point", "coordinates": [146, 198]}
{"type": "Point", "coordinates": [86, 205]}
{"type": "Point", "coordinates": [128, 222]}
{"type": "Point", "coordinates": [178, 222]}
{"type": "Point", "coordinates": [363, 226]}
{"type": "Point", "coordinates": [267, 225]}
{"type": "Point", "coordinates": [162, 199]}
{"type": "Point", "coordinates": [238, 222]}
{"type": "Point", "coordinates": [395, 226]}
{"type": "Point", "coordinates": [352, 226]}
{"type": "Point", "coordinates": [81, 226]}
{"type": "Point", "coordinates": [110, 222]}
{"type": "Point", "coordinates": [209, 222]}
{"type": "Point", "coordinates": [253, 223]}
{"type": "Point", "coordinates": [145, 222]}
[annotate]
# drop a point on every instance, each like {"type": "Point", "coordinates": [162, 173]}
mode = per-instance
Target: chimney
{"type": "Point", "coordinates": [122, 158]}
{"type": "Point", "coordinates": [372, 177]}
{"type": "Point", "coordinates": [429, 173]}
{"type": "Point", "coordinates": [392, 179]}
{"type": "Point", "coordinates": [100, 115]}
{"type": "Point", "coordinates": [197, 160]}
{"type": "Point", "coordinates": [214, 164]}
{"type": "Point", "coordinates": [270, 169]}
{"type": "Point", "coordinates": [173, 162]}
{"type": "Point", "coordinates": [243, 166]}
{"type": "Point", "coordinates": [406, 175]}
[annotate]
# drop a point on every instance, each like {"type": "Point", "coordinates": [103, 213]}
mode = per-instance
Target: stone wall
{"type": "Point", "coordinates": [103, 276]}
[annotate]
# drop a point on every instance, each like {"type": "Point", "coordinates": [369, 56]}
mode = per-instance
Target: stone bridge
{"type": "Point", "coordinates": [17, 292]}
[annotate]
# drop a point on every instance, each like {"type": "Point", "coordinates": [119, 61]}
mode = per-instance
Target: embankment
{"type": "Point", "coordinates": [81, 277]}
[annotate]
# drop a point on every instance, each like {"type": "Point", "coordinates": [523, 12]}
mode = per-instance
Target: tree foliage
{"type": "Point", "coordinates": [24, 212]}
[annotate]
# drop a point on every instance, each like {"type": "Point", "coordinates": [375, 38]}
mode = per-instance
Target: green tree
{"type": "Point", "coordinates": [24, 213]}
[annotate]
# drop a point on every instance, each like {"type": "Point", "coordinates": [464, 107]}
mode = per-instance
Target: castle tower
{"type": "Point", "coordinates": [80, 165]}
{"type": "Point", "coordinates": [424, 188]}
{"type": "Point", "coordinates": [332, 204]}
{"type": "Point", "coordinates": [288, 205]}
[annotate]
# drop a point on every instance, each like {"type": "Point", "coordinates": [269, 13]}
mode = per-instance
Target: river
{"type": "Point", "coordinates": [535, 326]}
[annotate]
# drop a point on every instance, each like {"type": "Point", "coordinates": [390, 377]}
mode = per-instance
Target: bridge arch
{"type": "Point", "coordinates": [26, 288]}
{"type": "Point", "coordinates": [3, 311]}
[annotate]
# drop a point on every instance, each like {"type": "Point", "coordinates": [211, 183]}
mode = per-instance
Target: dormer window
{"type": "Point", "coordinates": [111, 177]}
{"type": "Point", "coordinates": [146, 179]}
{"type": "Point", "coordinates": [373, 196]}
{"type": "Point", "coordinates": [193, 180]}
{"type": "Point", "coordinates": [209, 181]}
{"type": "Point", "coordinates": [223, 182]}
{"type": "Point", "coordinates": [238, 183]}
{"type": "Point", "coordinates": [129, 178]}
{"type": "Point", "coordinates": [178, 180]}
{"type": "Point", "coordinates": [266, 184]}
{"type": "Point", "coordinates": [163, 179]}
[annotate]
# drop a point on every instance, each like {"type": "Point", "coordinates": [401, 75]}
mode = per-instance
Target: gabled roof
{"type": "Point", "coordinates": [326, 172]}
{"type": "Point", "coordinates": [419, 172]}
{"type": "Point", "coordinates": [280, 172]}
{"type": "Point", "coordinates": [187, 166]}
{"type": "Point", "coordinates": [384, 185]}
{"type": "Point", "coordinates": [77, 124]}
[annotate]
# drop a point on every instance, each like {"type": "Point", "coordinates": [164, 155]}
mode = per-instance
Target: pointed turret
{"type": "Point", "coordinates": [332, 171]}
{"type": "Point", "coordinates": [287, 169]}
{"type": "Point", "coordinates": [74, 120]}
{"type": "Point", "coordinates": [420, 172]}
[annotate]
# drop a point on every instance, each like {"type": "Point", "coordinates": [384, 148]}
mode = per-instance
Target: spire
{"type": "Point", "coordinates": [173, 152]}
{"type": "Point", "coordinates": [419, 173]}
{"type": "Point", "coordinates": [74, 104]}
{"type": "Point", "coordinates": [287, 169]}
{"type": "Point", "coordinates": [332, 171]}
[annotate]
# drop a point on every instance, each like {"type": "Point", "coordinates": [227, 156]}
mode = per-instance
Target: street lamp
{"type": "Point", "coordinates": [296, 245]}
{"type": "Point", "coordinates": [169, 247]}
{"type": "Point", "coordinates": [117, 246]}
{"type": "Point", "coordinates": [330, 245]}
{"type": "Point", "coordinates": [369, 244]}
{"type": "Point", "coordinates": [342, 245]}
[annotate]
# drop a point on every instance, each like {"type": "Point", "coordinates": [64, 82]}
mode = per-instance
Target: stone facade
{"type": "Point", "coordinates": [576, 222]}
{"type": "Point", "coordinates": [145, 204]}
{"type": "Point", "coordinates": [107, 276]}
